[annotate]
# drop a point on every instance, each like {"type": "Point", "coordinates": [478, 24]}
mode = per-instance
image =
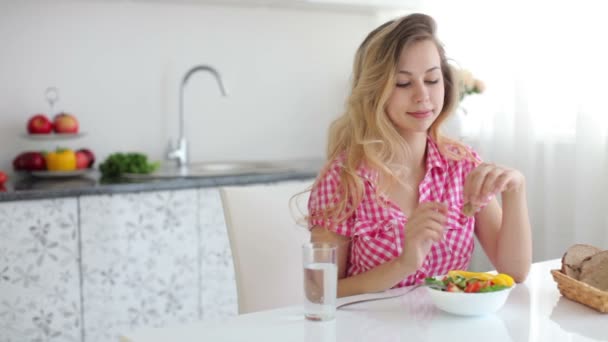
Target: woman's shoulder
{"type": "Point", "coordinates": [466, 152]}
{"type": "Point", "coordinates": [334, 169]}
{"type": "Point", "coordinates": [339, 163]}
{"type": "Point", "coordinates": [336, 164]}
{"type": "Point", "coordinates": [460, 155]}
{"type": "Point", "coordinates": [331, 170]}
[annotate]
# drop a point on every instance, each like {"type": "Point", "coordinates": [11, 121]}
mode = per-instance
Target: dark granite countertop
{"type": "Point", "coordinates": [28, 187]}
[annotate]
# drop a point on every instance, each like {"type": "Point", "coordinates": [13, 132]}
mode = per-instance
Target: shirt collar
{"type": "Point", "coordinates": [434, 159]}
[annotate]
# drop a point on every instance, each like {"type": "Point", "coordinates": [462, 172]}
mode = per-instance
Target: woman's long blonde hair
{"type": "Point", "coordinates": [364, 134]}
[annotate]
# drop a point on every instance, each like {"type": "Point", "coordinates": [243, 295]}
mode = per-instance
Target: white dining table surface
{"type": "Point", "coordinates": [534, 311]}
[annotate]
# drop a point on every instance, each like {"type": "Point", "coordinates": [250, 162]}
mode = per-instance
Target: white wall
{"type": "Point", "coordinates": [118, 66]}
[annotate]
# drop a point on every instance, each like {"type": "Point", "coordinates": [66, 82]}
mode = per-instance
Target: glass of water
{"type": "Point", "coordinates": [320, 280]}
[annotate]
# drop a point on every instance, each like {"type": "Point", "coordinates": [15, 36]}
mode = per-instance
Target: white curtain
{"type": "Point", "coordinates": [544, 112]}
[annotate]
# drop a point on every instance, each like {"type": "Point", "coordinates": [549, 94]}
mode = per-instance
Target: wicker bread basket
{"type": "Point", "coordinates": [580, 292]}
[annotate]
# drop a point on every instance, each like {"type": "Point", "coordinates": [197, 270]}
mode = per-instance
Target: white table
{"type": "Point", "coordinates": [535, 311]}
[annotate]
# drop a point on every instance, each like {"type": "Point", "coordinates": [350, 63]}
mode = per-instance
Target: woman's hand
{"type": "Point", "coordinates": [490, 179]}
{"type": "Point", "coordinates": [424, 227]}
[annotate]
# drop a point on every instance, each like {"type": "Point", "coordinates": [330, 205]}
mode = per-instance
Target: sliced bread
{"type": "Point", "coordinates": [574, 256]}
{"type": "Point", "coordinates": [594, 271]}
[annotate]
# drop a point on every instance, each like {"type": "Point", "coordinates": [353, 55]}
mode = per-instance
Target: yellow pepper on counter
{"type": "Point", "coordinates": [61, 160]}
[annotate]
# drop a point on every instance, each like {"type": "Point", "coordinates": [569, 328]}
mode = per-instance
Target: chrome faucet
{"type": "Point", "coordinates": [180, 152]}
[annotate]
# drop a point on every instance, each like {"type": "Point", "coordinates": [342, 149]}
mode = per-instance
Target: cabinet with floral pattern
{"type": "Point", "coordinates": [39, 271]}
{"type": "Point", "coordinates": [90, 268]}
{"type": "Point", "coordinates": [153, 259]}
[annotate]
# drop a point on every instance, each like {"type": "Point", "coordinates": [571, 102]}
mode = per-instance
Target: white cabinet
{"type": "Point", "coordinates": [93, 267]}
{"type": "Point", "coordinates": [39, 272]}
{"type": "Point", "coordinates": [218, 286]}
{"type": "Point", "coordinates": [154, 259]}
{"type": "Point", "coordinates": [139, 261]}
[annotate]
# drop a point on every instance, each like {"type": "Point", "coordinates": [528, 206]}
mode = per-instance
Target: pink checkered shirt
{"type": "Point", "coordinates": [377, 231]}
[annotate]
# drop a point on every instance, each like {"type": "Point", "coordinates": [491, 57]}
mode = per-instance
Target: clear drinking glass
{"type": "Point", "coordinates": [320, 280]}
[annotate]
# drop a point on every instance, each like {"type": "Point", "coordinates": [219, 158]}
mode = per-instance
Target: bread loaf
{"type": "Point", "coordinates": [584, 276]}
{"type": "Point", "coordinates": [594, 271]}
{"type": "Point", "coordinates": [574, 257]}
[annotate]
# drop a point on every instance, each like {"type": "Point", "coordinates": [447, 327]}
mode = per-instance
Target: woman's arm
{"type": "Point", "coordinates": [378, 279]}
{"type": "Point", "coordinates": [504, 233]}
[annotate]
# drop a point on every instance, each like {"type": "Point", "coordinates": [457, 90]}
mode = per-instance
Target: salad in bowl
{"type": "Point", "coordinates": [470, 293]}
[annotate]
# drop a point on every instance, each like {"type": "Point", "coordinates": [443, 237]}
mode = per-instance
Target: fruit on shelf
{"type": "Point", "coordinates": [65, 123]}
{"type": "Point", "coordinates": [29, 161]}
{"type": "Point", "coordinates": [85, 153]}
{"type": "Point", "coordinates": [3, 178]}
{"type": "Point", "coordinates": [61, 160]}
{"type": "Point", "coordinates": [39, 124]}
{"type": "Point", "coordinates": [82, 161]}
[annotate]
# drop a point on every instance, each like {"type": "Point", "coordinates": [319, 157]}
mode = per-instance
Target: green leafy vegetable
{"type": "Point", "coordinates": [434, 283]}
{"type": "Point", "coordinates": [493, 288]}
{"type": "Point", "coordinates": [118, 163]}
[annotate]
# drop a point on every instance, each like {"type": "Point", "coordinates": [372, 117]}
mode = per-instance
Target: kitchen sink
{"type": "Point", "coordinates": [210, 169]}
{"type": "Point", "coordinates": [235, 168]}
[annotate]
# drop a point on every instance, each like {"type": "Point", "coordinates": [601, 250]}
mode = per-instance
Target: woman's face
{"type": "Point", "coordinates": [417, 98]}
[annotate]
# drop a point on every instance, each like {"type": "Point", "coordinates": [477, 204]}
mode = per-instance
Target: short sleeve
{"type": "Point", "coordinates": [469, 165]}
{"type": "Point", "coordinates": [325, 194]}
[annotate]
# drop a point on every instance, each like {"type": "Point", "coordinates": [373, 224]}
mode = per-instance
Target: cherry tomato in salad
{"type": "Point", "coordinates": [473, 287]}
{"type": "Point", "coordinates": [3, 177]}
{"type": "Point", "coordinates": [453, 288]}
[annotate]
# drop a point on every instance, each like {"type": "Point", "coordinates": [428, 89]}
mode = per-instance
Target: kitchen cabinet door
{"type": "Point", "coordinates": [39, 273]}
{"type": "Point", "coordinates": [218, 286]}
{"type": "Point", "coordinates": [140, 261]}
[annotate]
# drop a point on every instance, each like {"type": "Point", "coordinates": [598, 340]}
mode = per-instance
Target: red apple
{"type": "Point", "coordinates": [3, 178]}
{"type": "Point", "coordinates": [89, 154]}
{"type": "Point", "coordinates": [29, 161]}
{"type": "Point", "coordinates": [65, 123]}
{"type": "Point", "coordinates": [82, 160]}
{"type": "Point", "coordinates": [39, 124]}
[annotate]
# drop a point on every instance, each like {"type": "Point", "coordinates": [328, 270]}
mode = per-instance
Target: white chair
{"type": "Point", "coordinates": [266, 243]}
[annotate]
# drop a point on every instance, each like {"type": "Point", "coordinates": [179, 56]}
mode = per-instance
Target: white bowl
{"type": "Point", "coordinates": [469, 304]}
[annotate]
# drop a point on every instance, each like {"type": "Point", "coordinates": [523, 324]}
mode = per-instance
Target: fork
{"type": "Point", "coordinates": [368, 297]}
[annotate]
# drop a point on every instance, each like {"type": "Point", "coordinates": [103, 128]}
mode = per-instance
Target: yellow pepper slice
{"type": "Point", "coordinates": [471, 275]}
{"type": "Point", "coordinates": [61, 160]}
{"type": "Point", "coordinates": [503, 279]}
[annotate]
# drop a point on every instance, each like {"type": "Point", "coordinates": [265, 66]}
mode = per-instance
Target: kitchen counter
{"type": "Point", "coordinates": [81, 247]}
{"type": "Point", "coordinates": [28, 187]}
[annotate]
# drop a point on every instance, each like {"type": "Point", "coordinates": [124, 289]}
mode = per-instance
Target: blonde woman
{"type": "Point", "coordinates": [402, 201]}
